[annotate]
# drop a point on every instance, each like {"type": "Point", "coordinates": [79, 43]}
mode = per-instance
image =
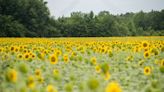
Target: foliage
{"type": "Point", "coordinates": [31, 18]}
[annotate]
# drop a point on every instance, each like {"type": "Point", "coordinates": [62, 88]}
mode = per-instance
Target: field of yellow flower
{"type": "Point", "coordinates": [116, 64]}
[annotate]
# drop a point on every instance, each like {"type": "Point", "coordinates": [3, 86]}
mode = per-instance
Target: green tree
{"type": "Point", "coordinates": [11, 28]}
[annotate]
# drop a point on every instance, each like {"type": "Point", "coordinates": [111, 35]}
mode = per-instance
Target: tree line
{"type": "Point", "coordinates": [31, 18]}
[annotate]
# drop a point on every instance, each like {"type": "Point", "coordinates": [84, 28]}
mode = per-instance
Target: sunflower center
{"type": "Point", "coordinates": [147, 70]}
{"type": "Point", "coordinates": [145, 45]}
{"type": "Point", "coordinates": [53, 59]}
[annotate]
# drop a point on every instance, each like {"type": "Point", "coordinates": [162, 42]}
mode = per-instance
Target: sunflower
{"type": "Point", "coordinates": [141, 62]}
{"type": "Point", "coordinates": [113, 87]}
{"type": "Point", "coordinates": [145, 44]}
{"type": "Point", "coordinates": [12, 48]}
{"type": "Point", "coordinates": [16, 49]}
{"type": "Point", "coordinates": [53, 59]}
{"type": "Point", "coordinates": [41, 56]}
{"type": "Point", "coordinates": [56, 72]}
{"type": "Point", "coordinates": [161, 66]}
{"type": "Point", "coordinates": [136, 49]}
{"type": "Point", "coordinates": [98, 69]}
{"type": "Point", "coordinates": [31, 82]}
{"type": "Point", "coordinates": [146, 54]}
{"type": "Point", "coordinates": [40, 79]}
{"type": "Point", "coordinates": [93, 60]}
{"type": "Point", "coordinates": [154, 51]}
{"type": "Point", "coordinates": [147, 70]}
{"type": "Point", "coordinates": [107, 76]}
{"type": "Point", "coordinates": [73, 54]}
{"type": "Point", "coordinates": [103, 50]}
{"type": "Point", "coordinates": [58, 52]}
{"type": "Point", "coordinates": [33, 55]}
{"type": "Point", "coordinates": [146, 49]}
{"type": "Point", "coordinates": [1, 49]}
{"type": "Point", "coordinates": [129, 58]}
{"type": "Point", "coordinates": [156, 61]}
{"type": "Point", "coordinates": [19, 56]}
{"type": "Point", "coordinates": [104, 68]}
{"type": "Point", "coordinates": [93, 83]}
{"type": "Point", "coordinates": [26, 56]}
{"type": "Point", "coordinates": [162, 63]}
{"type": "Point", "coordinates": [12, 75]}
{"type": "Point", "coordinates": [82, 51]}
{"type": "Point", "coordinates": [65, 57]}
{"type": "Point", "coordinates": [38, 72]}
{"type": "Point", "coordinates": [24, 51]}
{"type": "Point", "coordinates": [50, 88]}
{"type": "Point", "coordinates": [162, 49]}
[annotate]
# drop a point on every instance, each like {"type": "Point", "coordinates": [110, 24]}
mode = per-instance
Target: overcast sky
{"type": "Point", "coordinates": [65, 7]}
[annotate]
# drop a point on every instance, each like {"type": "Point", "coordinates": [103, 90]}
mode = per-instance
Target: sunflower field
{"type": "Point", "coordinates": [116, 64]}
